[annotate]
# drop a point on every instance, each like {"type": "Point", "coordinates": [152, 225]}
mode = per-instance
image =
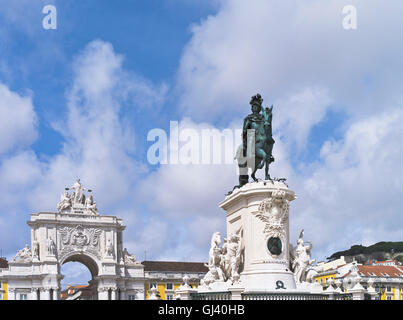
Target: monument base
{"type": "Point", "coordinates": [254, 261]}
{"type": "Point", "coordinates": [268, 279]}
{"type": "Point", "coordinates": [261, 211]}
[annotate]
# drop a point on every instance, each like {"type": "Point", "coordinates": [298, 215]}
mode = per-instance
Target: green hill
{"type": "Point", "coordinates": [377, 251]}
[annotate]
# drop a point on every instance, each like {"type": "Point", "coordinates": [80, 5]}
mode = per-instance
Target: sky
{"type": "Point", "coordinates": [80, 101]}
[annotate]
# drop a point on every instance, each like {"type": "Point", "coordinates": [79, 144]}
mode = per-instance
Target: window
{"type": "Point", "coordinates": [131, 297]}
{"type": "Point", "coordinates": [169, 286]}
{"type": "Point", "coordinates": [389, 289]}
{"type": "Point", "coordinates": [170, 296]}
{"type": "Point", "coordinates": [23, 296]}
{"type": "Point", "coordinates": [1, 296]}
{"type": "Point", "coordinates": [153, 284]}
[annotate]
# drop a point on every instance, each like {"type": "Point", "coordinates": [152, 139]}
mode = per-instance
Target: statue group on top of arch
{"type": "Point", "coordinates": [224, 262]}
{"type": "Point", "coordinates": [77, 200]}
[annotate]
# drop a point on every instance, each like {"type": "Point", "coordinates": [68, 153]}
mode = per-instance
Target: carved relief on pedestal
{"type": "Point", "coordinates": [79, 238]}
{"type": "Point", "coordinates": [274, 212]}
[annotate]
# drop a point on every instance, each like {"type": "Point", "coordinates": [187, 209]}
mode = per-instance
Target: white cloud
{"type": "Point", "coordinates": [18, 120]}
{"type": "Point", "coordinates": [98, 144]}
{"type": "Point", "coordinates": [282, 48]}
{"type": "Point", "coordinates": [354, 196]}
{"type": "Point", "coordinates": [299, 57]}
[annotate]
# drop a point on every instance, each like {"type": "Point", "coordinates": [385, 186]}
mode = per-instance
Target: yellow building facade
{"type": "Point", "coordinates": [167, 276]}
{"type": "Point", "coordinates": [387, 278]}
{"type": "Point", "coordinates": [3, 284]}
{"type": "Point", "coordinates": [3, 291]}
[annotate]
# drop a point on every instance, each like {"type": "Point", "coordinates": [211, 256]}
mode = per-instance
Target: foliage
{"type": "Point", "coordinates": [386, 247]}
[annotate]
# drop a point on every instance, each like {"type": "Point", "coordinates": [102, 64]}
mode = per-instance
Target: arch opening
{"type": "Point", "coordinates": [79, 278]}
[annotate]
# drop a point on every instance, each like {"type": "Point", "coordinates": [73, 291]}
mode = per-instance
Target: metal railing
{"type": "Point", "coordinates": [343, 296]}
{"type": "Point", "coordinates": [283, 296]}
{"type": "Point", "coordinates": [211, 296]}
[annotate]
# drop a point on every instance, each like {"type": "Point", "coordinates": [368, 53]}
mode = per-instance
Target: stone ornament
{"type": "Point", "coordinates": [65, 202]}
{"type": "Point", "coordinates": [232, 250]}
{"type": "Point", "coordinates": [301, 259]}
{"type": "Point", "coordinates": [80, 239]}
{"type": "Point", "coordinates": [90, 205]}
{"type": "Point", "coordinates": [273, 212]}
{"type": "Point", "coordinates": [109, 249]}
{"type": "Point", "coordinates": [77, 202]}
{"type": "Point", "coordinates": [129, 258]}
{"type": "Point", "coordinates": [186, 284]}
{"type": "Point", "coordinates": [215, 272]}
{"type": "Point", "coordinates": [80, 236]}
{"type": "Point", "coordinates": [24, 255]}
{"type": "Point", "coordinates": [51, 247]}
{"type": "Point", "coordinates": [224, 262]}
{"type": "Point", "coordinates": [154, 294]}
{"type": "Point", "coordinates": [35, 253]}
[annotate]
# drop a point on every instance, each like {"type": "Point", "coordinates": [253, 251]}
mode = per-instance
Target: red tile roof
{"type": "Point", "coordinates": [173, 266]}
{"type": "Point", "coordinates": [3, 263]}
{"type": "Point", "coordinates": [86, 291]}
{"type": "Point", "coordinates": [380, 271]}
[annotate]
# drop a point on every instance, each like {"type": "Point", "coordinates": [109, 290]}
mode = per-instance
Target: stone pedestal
{"type": "Point", "coordinates": [236, 292]}
{"type": "Point", "coordinates": [260, 212]}
{"type": "Point", "coordinates": [184, 293]}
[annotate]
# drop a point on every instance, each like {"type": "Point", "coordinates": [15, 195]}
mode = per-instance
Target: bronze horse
{"type": "Point", "coordinates": [257, 142]}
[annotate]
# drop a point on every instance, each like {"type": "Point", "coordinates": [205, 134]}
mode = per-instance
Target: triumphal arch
{"type": "Point", "coordinates": [75, 232]}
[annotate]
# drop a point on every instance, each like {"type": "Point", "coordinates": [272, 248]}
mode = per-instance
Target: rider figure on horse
{"type": "Point", "coordinates": [257, 142]}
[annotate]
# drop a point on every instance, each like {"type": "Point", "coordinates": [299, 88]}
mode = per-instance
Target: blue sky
{"type": "Point", "coordinates": [80, 100]}
{"type": "Point", "coordinates": [150, 34]}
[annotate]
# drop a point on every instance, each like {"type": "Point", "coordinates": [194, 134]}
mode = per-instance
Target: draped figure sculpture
{"type": "Point", "coordinates": [302, 259]}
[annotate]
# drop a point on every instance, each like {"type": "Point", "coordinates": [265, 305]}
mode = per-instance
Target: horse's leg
{"type": "Point", "coordinates": [255, 167]}
{"type": "Point", "coordinates": [243, 173]}
{"type": "Point", "coordinates": [266, 170]}
{"type": "Point", "coordinates": [253, 175]}
{"type": "Point", "coordinates": [260, 158]}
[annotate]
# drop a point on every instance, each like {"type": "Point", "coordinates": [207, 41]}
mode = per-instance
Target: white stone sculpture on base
{"type": "Point", "coordinates": [154, 294]}
{"type": "Point", "coordinates": [65, 202]}
{"type": "Point", "coordinates": [129, 258]}
{"type": "Point", "coordinates": [261, 210]}
{"type": "Point", "coordinates": [255, 259]}
{"type": "Point", "coordinates": [35, 253]}
{"type": "Point", "coordinates": [301, 259]}
{"type": "Point", "coordinates": [24, 255]}
{"type": "Point", "coordinates": [224, 262]}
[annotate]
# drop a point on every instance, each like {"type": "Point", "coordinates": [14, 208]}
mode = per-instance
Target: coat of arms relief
{"type": "Point", "coordinates": [79, 238]}
{"type": "Point", "coordinates": [274, 212]}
